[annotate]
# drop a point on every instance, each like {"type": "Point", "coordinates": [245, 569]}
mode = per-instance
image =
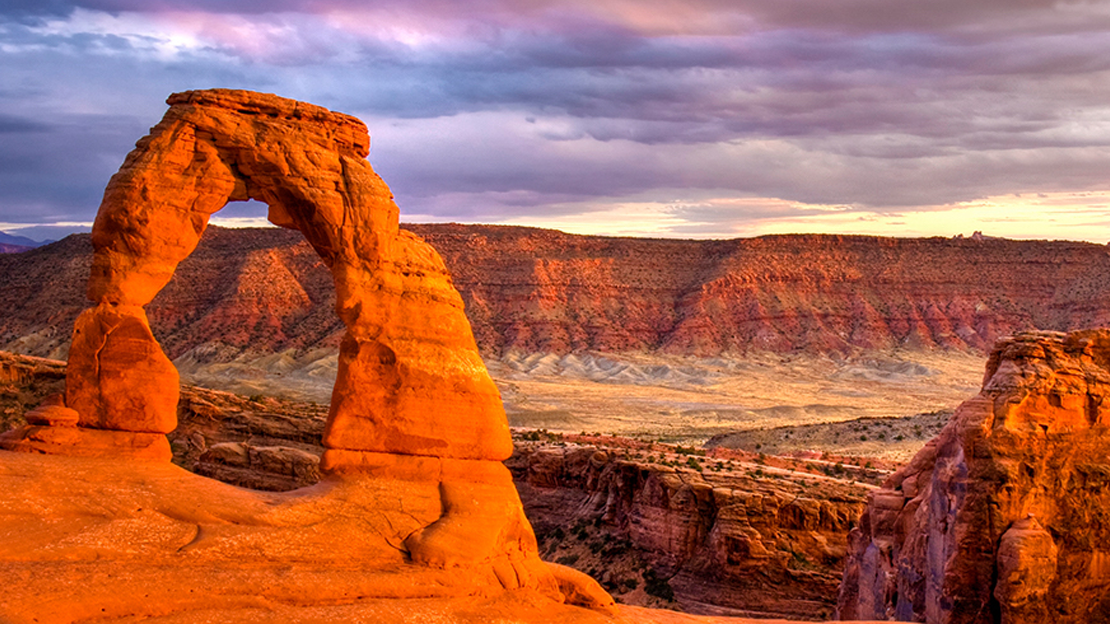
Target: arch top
{"type": "Point", "coordinates": [308, 164]}
{"type": "Point", "coordinates": [351, 137]}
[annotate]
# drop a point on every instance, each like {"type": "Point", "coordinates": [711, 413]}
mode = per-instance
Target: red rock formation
{"type": "Point", "coordinates": [1005, 516]}
{"type": "Point", "coordinates": [26, 382]}
{"type": "Point", "coordinates": [414, 411]}
{"type": "Point", "coordinates": [406, 333]}
{"type": "Point", "coordinates": [249, 293]}
{"type": "Point", "coordinates": [271, 444]}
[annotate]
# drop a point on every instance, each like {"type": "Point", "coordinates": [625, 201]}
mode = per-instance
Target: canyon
{"type": "Point", "coordinates": [998, 519]}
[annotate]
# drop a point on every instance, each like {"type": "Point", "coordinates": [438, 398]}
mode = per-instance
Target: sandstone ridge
{"type": "Point", "coordinates": [415, 431]}
{"type": "Point", "coordinates": [251, 293]}
{"type": "Point", "coordinates": [1005, 516]}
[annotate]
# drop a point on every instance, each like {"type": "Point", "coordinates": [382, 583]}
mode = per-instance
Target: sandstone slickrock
{"type": "Point", "coordinates": [1005, 516]}
{"type": "Point", "coordinates": [272, 444]}
{"type": "Point", "coordinates": [415, 431]}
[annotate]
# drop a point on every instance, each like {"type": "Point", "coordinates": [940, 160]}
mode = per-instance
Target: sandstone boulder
{"type": "Point", "coordinates": [1005, 517]}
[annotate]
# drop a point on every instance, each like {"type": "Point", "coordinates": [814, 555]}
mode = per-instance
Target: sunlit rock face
{"type": "Point", "coordinates": [413, 440]}
{"type": "Point", "coordinates": [1005, 516]}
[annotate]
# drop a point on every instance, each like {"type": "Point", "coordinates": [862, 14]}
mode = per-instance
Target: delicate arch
{"type": "Point", "coordinates": [410, 379]}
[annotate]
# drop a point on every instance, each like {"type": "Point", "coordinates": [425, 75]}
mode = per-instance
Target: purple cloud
{"type": "Point", "coordinates": [499, 109]}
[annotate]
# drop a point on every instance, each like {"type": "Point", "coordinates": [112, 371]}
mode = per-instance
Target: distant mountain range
{"type": "Point", "coordinates": [248, 292]}
{"type": "Point", "coordinates": [10, 243]}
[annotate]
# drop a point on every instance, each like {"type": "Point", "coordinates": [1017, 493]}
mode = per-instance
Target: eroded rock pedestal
{"type": "Point", "coordinates": [1005, 516]}
{"type": "Point", "coordinates": [414, 412]}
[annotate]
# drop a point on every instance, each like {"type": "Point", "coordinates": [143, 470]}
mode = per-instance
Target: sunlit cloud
{"type": "Point", "coordinates": [16, 227]}
{"type": "Point", "coordinates": [1056, 216]}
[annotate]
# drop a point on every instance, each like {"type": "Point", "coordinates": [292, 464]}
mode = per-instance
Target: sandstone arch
{"type": "Point", "coordinates": [410, 380]}
{"type": "Point", "coordinates": [416, 430]}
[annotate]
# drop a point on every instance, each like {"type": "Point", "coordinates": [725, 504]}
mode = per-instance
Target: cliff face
{"type": "Point", "coordinates": [251, 292]}
{"type": "Point", "coordinates": [24, 383]}
{"type": "Point", "coordinates": [540, 290]}
{"type": "Point", "coordinates": [1005, 516]}
{"type": "Point", "coordinates": [719, 541]}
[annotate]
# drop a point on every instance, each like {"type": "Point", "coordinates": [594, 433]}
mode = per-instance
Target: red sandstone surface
{"type": "Point", "coordinates": [532, 290]}
{"type": "Point", "coordinates": [1005, 516]}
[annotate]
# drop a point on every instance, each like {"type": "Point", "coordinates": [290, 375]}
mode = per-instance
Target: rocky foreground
{"type": "Point", "coordinates": [415, 502]}
{"type": "Point", "coordinates": [999, 519]}
{"type": "Point", "coordinates": [729, 533]}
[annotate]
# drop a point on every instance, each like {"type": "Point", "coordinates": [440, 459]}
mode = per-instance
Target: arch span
{"type": "Point", "coordinates": [410, 380]}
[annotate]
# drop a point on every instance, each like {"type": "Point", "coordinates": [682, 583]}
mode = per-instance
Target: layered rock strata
{"type": "Point", "coordinates": [1005, 516]}
{"type": "Point", "coordinates": [714, 539]}
{"type": "Point", "coordinates": [413, 412]}
{"type": "Point", "coordinates": [24, 383]}
{"type": "Point", "coordinates": [250, 293]}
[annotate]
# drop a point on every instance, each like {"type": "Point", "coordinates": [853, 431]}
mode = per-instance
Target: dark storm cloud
{"type": "Point", "coordinates": [58, 174]}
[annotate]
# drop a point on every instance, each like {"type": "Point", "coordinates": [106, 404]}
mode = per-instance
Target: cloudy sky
{"type": "Point", "coordinates": [691, 118]}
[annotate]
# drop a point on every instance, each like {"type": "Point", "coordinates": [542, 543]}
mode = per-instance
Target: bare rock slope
{"type": "Point", "coordinates": [657, 525]}
{"type": "Point", "coordinates": [1005, 516]}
